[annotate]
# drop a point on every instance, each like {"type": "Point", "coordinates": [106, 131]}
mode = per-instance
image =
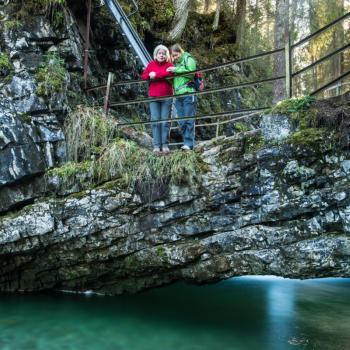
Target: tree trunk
{"type": "Point", "coordinates": [217, 15]}
{"type": "Point", "coordinates": [180, 19]}
{"type": "Point", "coordinates": [281, 30]}
{"type": "Point", "coordinates": [338, 41]}
{"type": "Point", "coordinates": [206, 5]}
{"type": "Point", "coordinates": [239, 22]}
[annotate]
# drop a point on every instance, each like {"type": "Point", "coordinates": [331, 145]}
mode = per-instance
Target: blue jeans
{"type": "Point", "coordinates": [186, 107]}
{"type": "Point", "coordinates": [160, 110]}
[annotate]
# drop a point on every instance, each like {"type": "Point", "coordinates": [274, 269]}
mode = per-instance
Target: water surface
{"type": "Point", "coordinates": [238, 314]}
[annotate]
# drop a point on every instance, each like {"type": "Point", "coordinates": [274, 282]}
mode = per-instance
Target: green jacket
{"type": "Point", "coordinates": [186, 63]}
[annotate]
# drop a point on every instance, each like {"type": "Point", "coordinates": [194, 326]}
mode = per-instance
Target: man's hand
{"type": "Point", "coordinates": [152, 75]}
{"type": "Point", "coordinates": [171, 69]}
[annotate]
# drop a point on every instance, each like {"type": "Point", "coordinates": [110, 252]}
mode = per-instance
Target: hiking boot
{"type": "Point", "coordinates": [185, 148]}
{"type": "Point", "coordinates": [165, 150]}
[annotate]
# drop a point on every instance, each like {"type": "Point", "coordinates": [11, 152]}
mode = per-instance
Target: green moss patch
{"type": "Point", "coordinates": [293, 105]}
{"type": "Point", "coordinates": [5, 64]}
{"type": "Point", "coordinates": [253, 143]}
{"type": "Point", "coordinates": [311, 132]}
{"type": "Point", "coordinates": [51, 76]}
{"type": "Point", "coordinates": [302, 111]}
{"type": "Point", "coordinates": [315, 138]}
{"type": "Point", "coordinates": [72, 173]}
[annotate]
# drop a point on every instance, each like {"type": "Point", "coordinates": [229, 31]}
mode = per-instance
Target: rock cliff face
{"type": "Point", "coordinates": [281, 210]}
{"type": "Point", "coordinates": [32, 107]}
{"type": "Point", "coordinates": [263, 206]}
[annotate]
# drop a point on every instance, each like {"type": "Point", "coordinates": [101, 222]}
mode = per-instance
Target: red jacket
{"type": "Point", "coordinates": [161, 87]}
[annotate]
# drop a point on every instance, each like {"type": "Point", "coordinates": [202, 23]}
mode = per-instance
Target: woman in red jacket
{"type": "Point", "coordinates": [160, 110]}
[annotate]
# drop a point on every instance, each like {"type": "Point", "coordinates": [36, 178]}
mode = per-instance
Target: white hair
{"type": "Point", "coordinates": [161, 47]}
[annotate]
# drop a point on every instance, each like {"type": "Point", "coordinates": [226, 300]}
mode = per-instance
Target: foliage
{"type": "Point", "coordinates": [154, 16]}
{"type": "Point", "coordinates": [293, 105]}
{"type": "Point", "coordinates": [126, 160]}
{"type": "Point", "coordinates": [300, 110]}
{"type": "Point", "coordinates": [51, 8]}
{"type": "Point", "coordinates": [88, 133]}
{"type": "Point", "coordinates": [13, 24]}
{"type": "Point", "coordinates": [5, 64]}
{"type": "Point", "coordinates": [41, 5]}
{"type": "Point", "coordinates": [51, 76]}
{"type": "Point", "coordinates": [253, 143]}
{"type": "Point", "coordinates": [161, 11]}
{"type": "Point", "coordinates": [241, 126]}
{"type": "Point", "coordinates": [96, 142]}
{"type": "Point", "coordinates": [71, 172]}
{"type": "Point", "coordinates": [313, 138]}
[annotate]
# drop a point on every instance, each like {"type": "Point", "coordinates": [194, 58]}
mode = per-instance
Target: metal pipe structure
{"type": "Point", "coordinates": [198, 93]}
{"type": "Point", "coordinates": [128, 31]}
{"type": "Point", "coordinates": [204, 70]}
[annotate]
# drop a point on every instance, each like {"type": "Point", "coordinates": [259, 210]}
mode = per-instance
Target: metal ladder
{"type": "Point", "coordinates": [128, 31]}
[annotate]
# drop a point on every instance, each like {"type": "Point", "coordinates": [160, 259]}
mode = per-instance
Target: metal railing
{"type": "Point", "coordinates": [135, 43]}
{"type": "Point", "coordinates": [288, 77]}
{"type": "Point", "coordinates": [131, 35]}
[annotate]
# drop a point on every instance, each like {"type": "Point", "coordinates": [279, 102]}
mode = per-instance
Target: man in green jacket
{"type": "Point", "coordinates": [186, 105]}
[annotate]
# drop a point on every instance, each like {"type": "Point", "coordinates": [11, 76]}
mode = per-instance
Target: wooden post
{"type": "Point", "coordinates": [108, 92]}
{"type": "Point", "coordinates": [217, 130]}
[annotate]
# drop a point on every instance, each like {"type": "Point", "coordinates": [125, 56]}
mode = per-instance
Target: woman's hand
{"type": "Point", "coordinates": [152, 75]}
{"type": "Point", "coordinates": [171, 69]}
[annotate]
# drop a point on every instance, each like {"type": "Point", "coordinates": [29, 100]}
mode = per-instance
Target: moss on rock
{"type": "Point", "coordinates": [51, 76]}
{"type": "Point", "coordinates": [315, 138]}
{"type": "Point", "coordinates": [5, 64]}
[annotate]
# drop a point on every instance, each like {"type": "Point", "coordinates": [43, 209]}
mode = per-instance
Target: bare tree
{"type": "Point", "coordinates": [180, 19]}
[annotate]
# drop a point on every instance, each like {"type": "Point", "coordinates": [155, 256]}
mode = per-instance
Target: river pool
{"type": "Point", "coordinates": [248, 313]}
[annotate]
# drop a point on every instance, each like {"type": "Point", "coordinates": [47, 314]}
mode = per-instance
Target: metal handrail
{"type": "Point", "coordinates": [136, 8]}
{"type": "Point", "coordinates": [197, 93]}
{"type": "Point", "coordinates": [207, 69]}
{"type": "Point", "coordinates": [337, 86]}
{"type": "Point", "coordinates": [317, 32]}
{"type": "Point", "coordinates": [343, 48]}
{"type": "Point", "coordinates": [135, 41]}
{"type": "Point", "coordinates": [209, 116]}
{"type": "Point", "coordinates": [330, 83]}
{"type": "Point", "coordinates": [289, 74]}
{"type": "Point", "coordinates": [217, 125]}
{"type": "Point", "coordinates": [241, 60]}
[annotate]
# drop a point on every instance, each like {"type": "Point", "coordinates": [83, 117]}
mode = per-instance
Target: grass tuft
{"type": "Point", "coordinates": [88, 133]}
{"type": "Point", "coordinates": [94, 145]}
{"type": "Point", "coordinates": [51, 76]}
{"type": "Point", "coordinates": [126, 160]}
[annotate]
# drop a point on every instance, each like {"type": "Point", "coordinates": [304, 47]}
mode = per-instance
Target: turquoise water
{"type": "Point", "coordinates": [238, 314]}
